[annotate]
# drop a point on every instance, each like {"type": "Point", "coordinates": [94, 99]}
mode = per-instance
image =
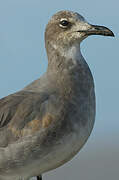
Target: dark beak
{"type": "Point", "coordinates": [98, 30]}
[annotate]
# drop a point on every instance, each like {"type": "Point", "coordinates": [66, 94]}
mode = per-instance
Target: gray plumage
{"type": "Point", "coordinates": [46, 124]}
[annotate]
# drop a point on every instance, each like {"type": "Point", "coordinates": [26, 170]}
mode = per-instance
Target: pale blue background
{"type": "Point", "coordinates": [23, 59]}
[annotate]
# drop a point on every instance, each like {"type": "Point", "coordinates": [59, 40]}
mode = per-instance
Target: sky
{"type": "Point", "coordinates": [23, 59]}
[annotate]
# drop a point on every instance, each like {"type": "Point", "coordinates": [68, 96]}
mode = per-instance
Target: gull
{"type": "Point", "coordinates": [47, 123]}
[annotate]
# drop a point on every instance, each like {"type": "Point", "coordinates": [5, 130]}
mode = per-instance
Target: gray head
{"type": "Point", "coordinates": [66, 28]}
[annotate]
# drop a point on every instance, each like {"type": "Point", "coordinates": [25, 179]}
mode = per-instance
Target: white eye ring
{"type": "Point", "coordinates": [64, 23]}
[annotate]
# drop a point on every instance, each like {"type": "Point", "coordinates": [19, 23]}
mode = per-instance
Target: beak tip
{"type": "Point", "coordinates": [113, 34]}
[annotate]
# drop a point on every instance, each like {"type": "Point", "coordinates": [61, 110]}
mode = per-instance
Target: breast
{"type": "Point", "coordinates": [68, 147]}
{"type": "Point", "coordinates": [81, 124]}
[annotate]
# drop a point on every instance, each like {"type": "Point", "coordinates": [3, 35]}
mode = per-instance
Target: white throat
{"type": "Point", "coordinates": [73, 52]}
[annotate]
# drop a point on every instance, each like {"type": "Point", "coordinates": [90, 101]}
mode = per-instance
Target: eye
{"type": "Point", "coordinates": [64, 23]}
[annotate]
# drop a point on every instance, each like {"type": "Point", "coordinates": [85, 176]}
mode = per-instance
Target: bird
{"type": "Point", "coordinates": [46, 123]}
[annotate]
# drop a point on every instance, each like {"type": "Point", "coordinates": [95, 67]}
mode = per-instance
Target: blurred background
{"type": "Point", "coordinates": [23, 59]}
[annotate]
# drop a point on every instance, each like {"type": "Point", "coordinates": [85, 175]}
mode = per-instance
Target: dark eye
{"type": "Point", "coordinates": [64, 23]}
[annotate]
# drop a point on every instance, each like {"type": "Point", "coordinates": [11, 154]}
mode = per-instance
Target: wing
{"type": "Point", "coordinates": [25, 113]}
{"type": "Point", "coordinates": [21, 104]}
{"type": "Point", "coordinates": [20, 115]}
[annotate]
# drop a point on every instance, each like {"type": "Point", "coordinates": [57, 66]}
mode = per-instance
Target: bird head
{"type": "Point", "coordinates": [66, 28]}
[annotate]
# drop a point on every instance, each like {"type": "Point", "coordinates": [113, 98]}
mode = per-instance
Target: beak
{"type": "Point", "coordinates": [98, 30]}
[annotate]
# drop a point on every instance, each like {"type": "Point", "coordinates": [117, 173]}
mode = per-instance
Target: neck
{"type": "Point", "coordinates": [66, 67]}
{"type": "Point", "coordinates": [68, 57]}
